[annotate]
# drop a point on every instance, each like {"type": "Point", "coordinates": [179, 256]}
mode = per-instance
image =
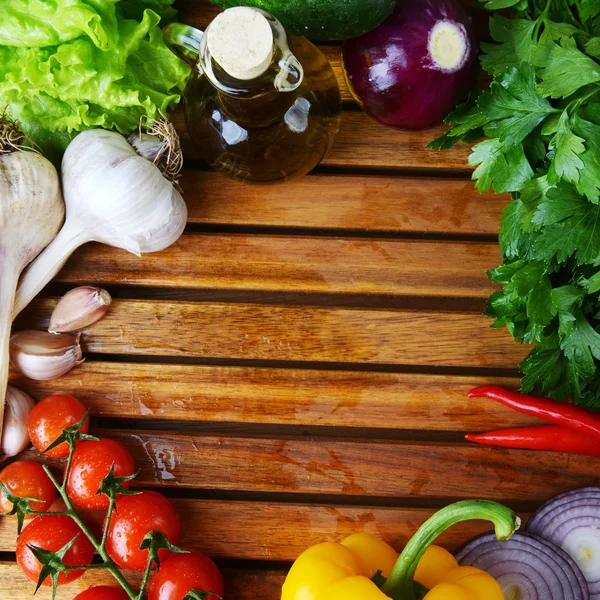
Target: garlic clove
{"type": "Point", "coordinates": [42, 356]}
{"type": "Point", "coordinates": [79, 308]}
{"type": "Point", "coordinates": [15, 437]}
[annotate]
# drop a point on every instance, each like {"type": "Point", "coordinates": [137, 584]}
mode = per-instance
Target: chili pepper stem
{"type": "Point", "coordinates": [400, 583]}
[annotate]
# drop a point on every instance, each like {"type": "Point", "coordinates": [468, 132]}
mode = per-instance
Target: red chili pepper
{"type": "Point", "coordinates": [561, 413]}
{"type": "Point", "coordinates": [545, 437]}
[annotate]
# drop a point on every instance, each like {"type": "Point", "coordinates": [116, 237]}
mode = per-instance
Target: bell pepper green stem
{"type": "Point", "coordinates": [399, 584]}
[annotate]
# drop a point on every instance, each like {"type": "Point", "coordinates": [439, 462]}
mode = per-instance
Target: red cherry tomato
{"type": "Point", "coordinates": [53, 532]}
{"type": "Point", "coordinates": [92, 461]}
{"type": "Point", "coordinates": [27, 479]}
{"type": "Point", "coordinates": [102, 592]}
{"type": "Point", "coordinates": [182, 573]}
{"type": "Point", "coordinates": [50, 417]}
{"type": "Point", "coordinates": [134, 518]}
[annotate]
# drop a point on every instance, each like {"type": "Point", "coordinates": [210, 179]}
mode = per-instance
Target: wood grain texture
{"type": "Point", "coordinates": [282, 396]}
{"type": "Point", "coordinates": [396, 469]}
{"type": "Point", "coordinates": [346, 203]}
{"type": "Point", "coordinates": [279, 531]}
{"type": "Point", "coordinates": [296, 264]}
{"type": "Point", "coordinates": [240, 584]}
{"type": "Point", "coordinates": [381, 147]}
{"type": "Point", "coordinates": [294, 333]}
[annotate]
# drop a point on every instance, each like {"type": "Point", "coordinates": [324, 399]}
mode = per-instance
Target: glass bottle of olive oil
{"type": "Point", "coordinates": [263, 107]}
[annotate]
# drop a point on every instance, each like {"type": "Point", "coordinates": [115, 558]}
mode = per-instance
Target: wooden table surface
{"type": "Point", "coordinates": [295, 368]}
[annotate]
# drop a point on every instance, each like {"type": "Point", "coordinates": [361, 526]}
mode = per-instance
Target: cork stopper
{"type": "Point", "coordinates": [240, 40]}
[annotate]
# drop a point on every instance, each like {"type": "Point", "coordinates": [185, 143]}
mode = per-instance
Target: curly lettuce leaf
{"type": "Point", "coordinates": [40, 23]}
{"type": "Point", "coordinates": [58, 90]}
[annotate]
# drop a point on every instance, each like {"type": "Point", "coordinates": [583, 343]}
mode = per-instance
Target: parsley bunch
{"type": "Point", "coordinates": [541, 116]}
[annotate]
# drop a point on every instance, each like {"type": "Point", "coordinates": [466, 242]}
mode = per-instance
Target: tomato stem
{"type": "Point", "coordinates": [146, 577]}
{"type": "Point", "coordinates": [100, 548]}
{"type": "Point", "coordinates": [111, 507]}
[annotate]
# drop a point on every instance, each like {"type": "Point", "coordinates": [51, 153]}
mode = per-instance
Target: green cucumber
{"type": "Point", "coordinates": [322, 19]}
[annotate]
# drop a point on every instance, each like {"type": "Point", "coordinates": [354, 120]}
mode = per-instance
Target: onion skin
{"type": "Point", "coordinates": [392, 74]}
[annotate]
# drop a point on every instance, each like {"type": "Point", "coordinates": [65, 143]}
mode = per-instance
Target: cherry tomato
{"type": "Point", "coordinates": [27, 479]}
{"type": "Point", "coordinates": [53, 532]}
{"type": "Point", "coordinates": [182, 573]}
{"type": "Point", "coordinates": [49, 417]}
{"type": "Point", "coordinates": [92, 461]}
{"type": "Point", "coordinates": [135, 517]}
{"type": "Point", "coordinates": [102, 592]}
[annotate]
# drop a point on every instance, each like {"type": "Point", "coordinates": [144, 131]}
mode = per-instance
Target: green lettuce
{"type": "Point", "coordinates": [105, 71]}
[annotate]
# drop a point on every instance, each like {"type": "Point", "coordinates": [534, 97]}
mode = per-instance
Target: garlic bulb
{"type": "Point", "coordinates": [114, 196]}
{"type": "Point", "coordinates": [15, 437]}
{"type": "Point", "coordinates": [79, 308]}
{"type": "Point", "coordinates": [31, 213]}
{"type": "Point", "coordinates": [42, 356]}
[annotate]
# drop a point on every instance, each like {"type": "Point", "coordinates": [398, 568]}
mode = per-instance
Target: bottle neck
{"type": "Point", "coordinates": [250, 90]}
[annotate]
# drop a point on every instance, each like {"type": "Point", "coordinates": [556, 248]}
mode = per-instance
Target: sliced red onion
{"type": "Point", "coordinates": [571, 521]}
{"type": "Point", "coordinates": [526, 567]}
{"type": "Point", "coordinates": [546, 512]}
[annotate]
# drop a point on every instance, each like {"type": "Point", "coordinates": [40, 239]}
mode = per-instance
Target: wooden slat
{"type": "Point", "coordinates": [294, 333]}
{"type": "Point", "coordinates": [296, 264]}
{"type": "Point", "coordinates": [282, 396]}
{"type": "Point", "coordinates": [277, 531]}
{"type": "Point", "coordinates": [240, 584]}
{"type": "Point", "coordinates": [354, 203]}
{"type": "Point", "coordinates": [353, 468]}
{"type": "Point", "coordinates": [362, 142]}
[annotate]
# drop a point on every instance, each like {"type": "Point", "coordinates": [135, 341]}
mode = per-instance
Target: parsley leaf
{"type": "Point", "coordinates": [580, 342]}
{"type": "Point", "coordinates": [504, 169]}
{"type": "Point", "coordinates": [567, 147]}
{"type": "Point", "coordinates": [564, 68]}
{"type": "Point", "coordinates": [515, 37]}
{"type": "Point", "coordinates": [589, 9]}
{"type": "Point", "coordinates": [466, 118]}
{"type": "Point", "coordinates": [572, 227]}
{"type": "Point", "coordinates": [497, 4]}
{"type": "Point", "coordinates": [513, 107]}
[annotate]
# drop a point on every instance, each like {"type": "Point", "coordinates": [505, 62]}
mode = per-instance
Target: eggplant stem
{"type": "Point", "coordinates": [48, 263]}
{"type": "Point", "coordinates": [399, 584]}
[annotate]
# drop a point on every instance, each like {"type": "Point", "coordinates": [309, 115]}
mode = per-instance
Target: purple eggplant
{"type": "Point", "coordinates": [413, 69]}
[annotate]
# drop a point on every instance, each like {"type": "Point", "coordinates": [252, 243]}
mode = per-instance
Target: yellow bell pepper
{"type": "Point", "coordinates": [364, 567]}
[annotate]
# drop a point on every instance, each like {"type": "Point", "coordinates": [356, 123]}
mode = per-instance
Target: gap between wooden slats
{"type": "Point", "coordinates": [293, 333]}
{"type": "Point", "coordinates": [272, 531]}
{"type": "Point", "coordinates": [395, 205]}
{"type": "Point", "coordinates": [155, 392]}
{"type": "Point", "coordinates": [296, 264]}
